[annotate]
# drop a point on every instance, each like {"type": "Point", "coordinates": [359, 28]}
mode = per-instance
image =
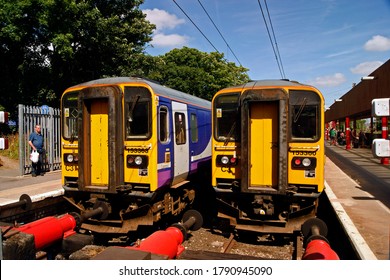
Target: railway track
{"type": "Point", "coordinates": [207, 242]}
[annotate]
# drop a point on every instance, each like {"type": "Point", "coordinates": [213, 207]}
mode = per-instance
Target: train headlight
{"type": "Point", "coordinates": [137, 161]}
{"type": "Point", "coordinates": [224, 160]}
{"type": "Point", "coordinates": [304, 163]}
{"type": "Point", "coordinates": [71, 158]}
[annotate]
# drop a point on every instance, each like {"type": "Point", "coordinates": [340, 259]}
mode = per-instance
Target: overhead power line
{"type": "Point", "coordinates": [219, 32]}
{"type": "Point", "coordinates": [276, 43]}
{"type": "Point", "coordinates": [276, 53]}
{"type": "Point", "coordinates": [196, 26]}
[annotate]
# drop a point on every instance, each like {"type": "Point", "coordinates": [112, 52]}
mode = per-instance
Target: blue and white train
{"type": "Point", "coordinates": [131, 147]}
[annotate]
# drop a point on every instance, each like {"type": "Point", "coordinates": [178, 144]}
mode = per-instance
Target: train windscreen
{"type": "Point", "coordinates": [226, 117]}
{"type": "Point", "coordinates": [137, 113]}
{"type": "Point", "coordinates": [305, 115]}
{"type": "Point", "coordinates": [69, 115]}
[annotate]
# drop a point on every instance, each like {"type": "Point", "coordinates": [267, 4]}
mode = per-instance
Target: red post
{"type": "Point", "coordinates": [384, 160]}
{"type": "Point", "coordinates": [347, 134]}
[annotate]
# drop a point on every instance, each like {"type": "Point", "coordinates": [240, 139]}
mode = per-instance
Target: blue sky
{"type": "Point", "coordinates": [329, 44]}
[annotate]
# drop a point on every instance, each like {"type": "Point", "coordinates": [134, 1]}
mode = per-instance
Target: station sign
{"type": "Point", "coordinates": [3, 143]}
{"type": "Point", "coordinates": [3, 117]}
{"type": "Point", "coordinates": [381, 148]}
{"type": "Point", "coordinates": [380, 107]}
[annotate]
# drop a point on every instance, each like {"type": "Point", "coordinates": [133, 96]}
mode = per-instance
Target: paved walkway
{"type": "Point", "coordinates": [362, 207]}
{"type": "Point", "coordinates": [12, 185]}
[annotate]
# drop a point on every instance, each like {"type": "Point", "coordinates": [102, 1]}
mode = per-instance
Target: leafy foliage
{"type": "Point", "coordinates": [48, 45]}
{"type": "Point", "coordinates": [198, 73]}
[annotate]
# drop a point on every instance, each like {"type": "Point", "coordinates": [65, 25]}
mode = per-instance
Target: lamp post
{"type": "Point", "coordinates": [384, 160]}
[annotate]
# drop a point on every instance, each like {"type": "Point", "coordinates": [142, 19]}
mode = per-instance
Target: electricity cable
{"type": "Point", "coordinates": [219, 32]}
{"type": "Point", "coordinates": [269, 36]}
{"type": "Point", "coordinates": [196, 26]}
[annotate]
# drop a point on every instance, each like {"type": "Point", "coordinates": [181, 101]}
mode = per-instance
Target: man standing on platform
{"type": "Point", "coordinates": [36, 142]}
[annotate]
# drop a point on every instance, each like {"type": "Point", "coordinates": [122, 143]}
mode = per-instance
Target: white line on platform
{"type": "Point", "coordinates": [354, 235]}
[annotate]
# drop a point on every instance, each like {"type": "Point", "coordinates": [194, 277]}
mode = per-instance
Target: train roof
{"type": "Point", "coordinates": [268, 83]}
{"type": "Point", "coordinates": [157, 88]}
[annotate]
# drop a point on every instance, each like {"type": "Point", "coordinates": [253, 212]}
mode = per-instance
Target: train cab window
{"type": "Point", "coordinates": [305, 115]}
{"type": "Point", "coordinates": [163, 125]}
{"type": "Point", "coordinates": [194, 128]}
{"type": "Point", "coordinates": [180, 129]}
{"type": "Point", "coordinates": [227, 117]}
{"type": "Point", "coordinates": [137, 113]}
{"type": "Point", "coordinates": [69, 115]}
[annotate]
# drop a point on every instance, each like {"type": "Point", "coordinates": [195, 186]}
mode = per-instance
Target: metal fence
{"type": "Point", "coordinates": [49, 119]}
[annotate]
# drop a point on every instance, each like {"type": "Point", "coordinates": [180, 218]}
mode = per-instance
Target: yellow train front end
{"type": "Point", "coordinates": [268, 151]}
{"type": "Point", "coordinates": [108, 140]}
{"type": "Point", "coordinates": [140, 137]}
{"type": "Point", "coordinates": [69, 137]}
{"type": "Point", "coordinates": [226, 148]}
{"type": "Point", "coordinates": [109, 152]}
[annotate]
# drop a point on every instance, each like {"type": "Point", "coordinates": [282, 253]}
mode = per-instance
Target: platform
{"type": "Point", "coordinates": [361, 204]}
{"type": "Point", "coordinates": [12, 186]}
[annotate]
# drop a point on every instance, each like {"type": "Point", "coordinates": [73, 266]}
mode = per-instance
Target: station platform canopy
{"type": "Point", "coordinates": [356, 103]}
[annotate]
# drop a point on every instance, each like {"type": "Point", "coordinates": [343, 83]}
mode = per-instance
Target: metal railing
{"type": "Point", "coordinates": [49, 119]}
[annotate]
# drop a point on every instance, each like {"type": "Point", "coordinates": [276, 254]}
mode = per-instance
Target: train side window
{"type": "Point", "coordinates": [305, 116]}
{"type": "Point", "coordinates": [194, 128]}
{"type": "Point", "coordinates": [163, 125]}
{"type": "Point", "coordinates": [69, 115]}
{"type": "Point", "coordinates": [180, 129]}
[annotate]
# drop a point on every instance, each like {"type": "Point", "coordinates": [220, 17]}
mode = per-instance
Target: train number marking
{"type": "Point", "coordinates": [304, 153]}
{"type": "Point", "coordinates": [71, 167]}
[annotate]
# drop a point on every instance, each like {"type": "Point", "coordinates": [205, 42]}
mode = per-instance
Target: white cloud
{"type": "Point", "coordinates": [377, 43]}
{"type": "Point", "coordinates": [366, 68]}
{"type": "Point", "coordinates": [329, 80]}
{"type": "Point", "coordinates": [171, 40]}
{"type": "Point", "coordinates": [162, 19]}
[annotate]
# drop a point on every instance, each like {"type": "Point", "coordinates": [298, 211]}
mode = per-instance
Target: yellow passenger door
{"type": "Point", "coordinates": [99, 142]}
{"type": "Point", "coordinates": [263, 146]}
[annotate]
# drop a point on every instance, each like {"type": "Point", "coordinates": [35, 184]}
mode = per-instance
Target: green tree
{"type": "Point", "coordinates": [48, 45]}
{"type": "Point", "coordinates": [198, 73]}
